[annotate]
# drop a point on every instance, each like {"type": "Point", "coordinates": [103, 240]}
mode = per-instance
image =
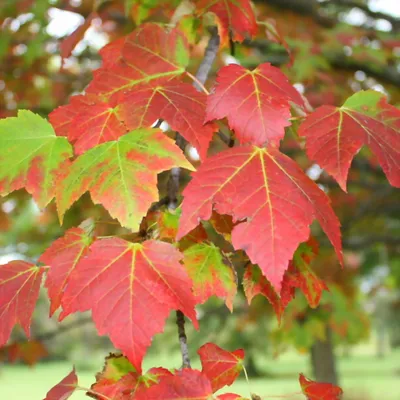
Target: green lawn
{"type": "Point", "coordinates": [363, 377]}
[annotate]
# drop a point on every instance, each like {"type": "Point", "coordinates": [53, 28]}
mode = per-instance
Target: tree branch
{"type": "Point", "coordinates": [373, 14]}
{"type": "Point", "coordinates": [180, 321]}
{"type": "Point", "coordinates": [276, 56]}
{"type": "Point", "coordinates": [62, 329]}
{"type": "Point", "coordinates": [355, 243]}
{"type": "Point", "coordinates": [173, 182]}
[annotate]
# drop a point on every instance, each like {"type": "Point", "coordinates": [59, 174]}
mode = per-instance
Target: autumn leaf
{"type": "Point", "coordinates": [335, 135]}
{"type": "Point", "coordinates": [179, 104]}
{"type": "Point", "coordinates": [235, 16]}
{"type": "Point", "coordinates": [69, 43]}
{"type": "Point", "coordinates": [187, 384]}
{"type": "Point", "coordinates": [30, 156]}
{"type": "Point", "coordinates": [121, 175]}
{"type": "Point", "coordinates": [272, 198]}
{"type": "Point", "coordinates": [87, 121]}
{"type": "Point", "coordinates": [148, 54]}
{"type": "Point", "coordinates": [62, 257]}
{"type": "Point", "coordinates": [30, 352]}
{"type": "Point", "coordinates": [301, 275]}
{"type": "Point", "coordinates": [222, 367]}
{"type": "Point", "coordinates": [96, 124]}
{"type": "Point", "coordinates": [255, 283]}
{"type": "Point", "coordinates": [19, 291]}
{"type": "Point", "coordinates": [211, 275]}
{"type": "Point", "coordinates": [111, 53]}
{"type": "Point", "coordinates": [256, 103]}
{"type": "Point", "coordinates": [64, 389]}
{"type": "Point", "coordinates": [120, 381]}
{"type": "Point", "coordinates": [319, 391]}
{"type": "Point", "coordinates": [130, 288]}
{"type": "Point", "coordinates": [62, 117]}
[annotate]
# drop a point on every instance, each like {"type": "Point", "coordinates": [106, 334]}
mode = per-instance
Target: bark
{"type": "Point", "coordinates": [323, 360]}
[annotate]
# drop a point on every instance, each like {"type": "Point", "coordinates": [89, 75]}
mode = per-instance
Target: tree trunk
{"type": "Point", "coordinates": [323, 360]}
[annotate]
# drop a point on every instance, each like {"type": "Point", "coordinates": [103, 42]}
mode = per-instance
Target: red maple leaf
{"type": "Point", "coordinates": [130, 288]}
{"type": "Point", "coordinates": [319, 391]}
{"type": "Point", "coordinates": [188, 384]}
{"type": "Point", "coordinates": [211, 273]}
{"type": "Point", "coordinates": [179, 104]}
{"type": "Point", "coordinates": [235, 16]}
{"type": "Point", "coordinates": [335, 134]}
{"type": "Point", "coordinates": [111, 53]}
{"type": "Point", "coordinates": [255, 283]}
{"type": "Point", "coordinates": [87, 121]}
{"type": "Point", "coordinates": [271, 196]}
{"type": "Point", "coordinates": [298, 275]}
{"type": "Point", "coordinates": [29, 352]}
{"type": "Point", "coordinates": [62, 117]}
{"type": "Point", "coordinates": [301, 275]}
{"type": "Point", "coordinates": [64, 389]}
{"type": "Point", "coordinates": [120, 381]}
{"type": "Point", "coordinates": [62, 257]}
{"type": "Point", "coordinates": [147, 54]}
{"type": "Point", "coordinates": [256, 103]}
{"type": "Point", "coordinates": [19, 291]}
{"type": "Point", "coordinates": [221, 367]}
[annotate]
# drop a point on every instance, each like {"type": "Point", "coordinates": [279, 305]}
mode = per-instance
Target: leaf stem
{"type": "Point", "coordinates": [180, 322]}
{"type": "Point", "coordinates": [198, 84]}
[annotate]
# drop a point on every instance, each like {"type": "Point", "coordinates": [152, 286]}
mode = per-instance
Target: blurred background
{"type": "Point", "coordinates": [338, 47]}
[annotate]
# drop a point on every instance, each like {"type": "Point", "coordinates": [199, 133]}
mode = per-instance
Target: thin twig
{"type": "Point", "coordinates": [180, 321]}
{"type": "Point", "coordinates": [209, 57]}
{"type": "Point", "coordinates": [62, 329]}
{"type": "Point", "coordinates": [173, 182]}
{"type": "Point", "coordinates": [197, 83]}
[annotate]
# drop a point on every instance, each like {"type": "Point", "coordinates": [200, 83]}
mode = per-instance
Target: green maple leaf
{"type": "Point", "coordinates": [30, 156]}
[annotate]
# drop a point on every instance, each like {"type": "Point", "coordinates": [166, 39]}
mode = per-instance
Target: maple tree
{"type": "Point", "coordinates": [183, 219]}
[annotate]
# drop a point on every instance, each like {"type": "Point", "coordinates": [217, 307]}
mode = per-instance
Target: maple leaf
{"type": "Point", "coordinates": [301, 275]}
{"type": "Point", "coordinates": [62, 257]}
{"type": "Point", "coordinates": [69, 43]}
{"type": "Point", "coordinates": [130, 288]}
{"type": "Point", "coordinates": [148, 54]}
{"type": "Point", "coordinates": [222, 224]}
{"type": "Point", "coordinates": [64, 389]}
{"type": "Point", "coordinates": [256, 103]}
{"type": "Point", "coordinates": [121, 175]}
{"type": "Point", "coordinates": [221, 367]}
{"type": "Point", "coordinates": [19, 290]}
{"type": "Point", "coordinates": [210, 274]}
{"type": "Point", "coordinates": [87, 121]}
{"type": "Point", "coordinates": [255, 283]}
{"type": "Point", "coordinates": [96, 124]}
{"type": "Point", "coordinates": [62, 117]}
{"type": "Point", "coordinates": [111, 53]}
{"type": "Point", "coordinates": [187, 384]}
{"type": "Point", "coordinates": [271, 196]}
{"type": "Point", "coordinates": [30, 156]}
{"type": "Point", "coordinates": [298, 275]}
{"type": "Point", "coordinates": [120, 381]}
{"type": "Point", "coordinates": [179, 104]}
{"type": "Point", "coordinates": [319, 391]}
{"type": "Point", "coordinates": [29, 352]}
{"type": "Point", "coordinates": [235, 16]}
{"type": "Point", "coordinates": [335, 134]}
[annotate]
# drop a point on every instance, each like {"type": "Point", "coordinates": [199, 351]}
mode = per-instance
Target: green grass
{"type": "Point", "coordinates": [363, 377]}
